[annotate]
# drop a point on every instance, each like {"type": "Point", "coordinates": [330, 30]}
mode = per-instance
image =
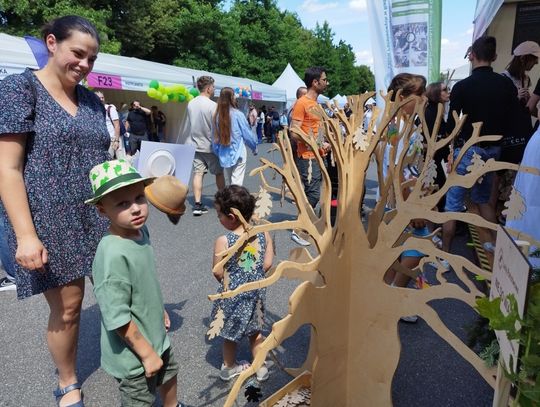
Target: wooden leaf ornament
{"type": "Point", "coordinates": [515, 206]}
{"type": "Point", "coordinates": [216, 324]}
{"type": "Point", "coordinates": [360, 139]}
{"type": "Point", "coordinates": [476, 164]}
{"type": "Point", "coordinates": [263, 205]}
{"type": "Point", "coordinates": [428, 180]}
{"type": "Point", "coordinates": [310, 172]}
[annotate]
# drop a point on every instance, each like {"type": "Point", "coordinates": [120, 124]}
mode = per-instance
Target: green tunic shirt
{"type": "Point", "coordinates": [126, 289]}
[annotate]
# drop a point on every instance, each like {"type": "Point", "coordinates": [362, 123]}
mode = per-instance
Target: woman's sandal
{"type": "Point", "coordinates": [59, 393]}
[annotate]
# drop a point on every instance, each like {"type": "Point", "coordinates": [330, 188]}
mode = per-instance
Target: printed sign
{"type": "Point", "coordinates": [510, 277]}
{"type": "Point", "coordinates": [256, 95]}
{"type": "Point", "coordinates": [104, 81]}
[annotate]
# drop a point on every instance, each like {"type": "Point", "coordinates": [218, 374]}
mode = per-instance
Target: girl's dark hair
{"type": "Point", "coordinates": [235, 196]}
{"type": "Point", "coordinates": [222, 118]}
{"type": "Point", "coordinates": [62, 28]}
{"type": "Point", "coordinates": [433, 92]}
{"type": "Point", "coordinates": [518, 64]}
{"type": "Point", "coordinates": [410, 84]}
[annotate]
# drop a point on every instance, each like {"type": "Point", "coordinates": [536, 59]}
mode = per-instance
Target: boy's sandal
{"type": "Point", "coordinates": [59, 393]}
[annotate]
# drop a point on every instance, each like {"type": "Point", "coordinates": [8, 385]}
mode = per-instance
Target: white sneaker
{"type": "Point", "coordinates": [7, 285]}
{"type": "Point", "coordinates": [228, 373]}
{"type": "Point", "coordinates": [298, 240]}
{"type": "Point", "coordinates": [262, 373]}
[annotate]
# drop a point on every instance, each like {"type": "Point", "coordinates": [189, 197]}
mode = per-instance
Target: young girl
{"type": "Point", "coordinates": [244, 313]}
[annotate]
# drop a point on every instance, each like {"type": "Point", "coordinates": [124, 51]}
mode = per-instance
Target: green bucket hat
{"type": "Point", "coordinates": [112, 175]}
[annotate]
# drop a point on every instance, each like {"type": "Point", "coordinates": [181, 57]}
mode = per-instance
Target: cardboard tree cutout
{"type": "Point", "coordinates": [354, 348]}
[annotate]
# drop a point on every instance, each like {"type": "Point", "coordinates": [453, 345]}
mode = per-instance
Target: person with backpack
{"type": "Point", "coordinates": [116, 149]}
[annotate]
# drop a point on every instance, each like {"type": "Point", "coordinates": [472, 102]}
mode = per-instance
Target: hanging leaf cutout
{"type": "Point", "coordinates": [515, 206]}
{"type": "Point", "coordinates": [360, 139]}
{"type": "Point", "coordinates": [428, 179]}
{"type": "Point", "coordinates": [216, 324]}
{"type": "Point", "coordinates": [476, 164]}
{"type": "Point", "coordinates": [310, 171]}
{"type": "Point", "coordinates": [263, 205]}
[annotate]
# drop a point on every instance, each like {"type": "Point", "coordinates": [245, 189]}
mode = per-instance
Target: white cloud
{"type": "Point", "coordinates": [315, 6]}
{"type": "Point", "coordinates": [470, 31]}
{"type": "Point", "coordinates": [358, 5]}
{"type": "Point", "coordinates": [364, 57]}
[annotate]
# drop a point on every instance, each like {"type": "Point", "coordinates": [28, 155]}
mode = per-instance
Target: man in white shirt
{"type": "Point", "coordinates": [199, 134]}
{"type": "Point", "coordinates": [116, 149]}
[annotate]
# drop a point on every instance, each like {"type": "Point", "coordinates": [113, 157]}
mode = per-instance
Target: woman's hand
{"type": "Point", "coordinates": [31, 254]}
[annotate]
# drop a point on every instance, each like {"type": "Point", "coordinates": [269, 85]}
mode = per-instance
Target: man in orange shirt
{"type": "Point", "coordinates": [316, 83]}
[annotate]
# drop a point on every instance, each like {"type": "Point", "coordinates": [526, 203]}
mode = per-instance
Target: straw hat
{"type": "Point", "coordinates": [168, 195]}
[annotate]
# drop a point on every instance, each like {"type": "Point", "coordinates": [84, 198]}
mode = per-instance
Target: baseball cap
{"type": "Point", "coordinates": [527, 48]}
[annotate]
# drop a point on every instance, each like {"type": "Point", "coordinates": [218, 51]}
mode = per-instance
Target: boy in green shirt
{"type": "Point", "coordinates": [135, 348]}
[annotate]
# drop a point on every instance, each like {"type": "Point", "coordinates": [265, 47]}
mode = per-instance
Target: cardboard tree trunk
{"type": "Point", "coordinates": [354, 349]}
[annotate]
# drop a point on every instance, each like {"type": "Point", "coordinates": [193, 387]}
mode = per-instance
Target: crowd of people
{"type": "Point", "coordinates": [66, 215]}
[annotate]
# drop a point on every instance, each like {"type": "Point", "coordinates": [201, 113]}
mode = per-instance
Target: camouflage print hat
{"type": "Point", "coordinates": [112, 175]}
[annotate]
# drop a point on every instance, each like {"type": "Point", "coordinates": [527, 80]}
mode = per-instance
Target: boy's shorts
{"type": "Point", "coordinates": [480, 192]}
{"type": "Point", "coordinates": [140, 391]}
{"type": "Point", "coordinates": [204, 162]}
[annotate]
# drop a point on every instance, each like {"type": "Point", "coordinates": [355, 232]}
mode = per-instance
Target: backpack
{"type": "Point", "coordinates": [120, 122]}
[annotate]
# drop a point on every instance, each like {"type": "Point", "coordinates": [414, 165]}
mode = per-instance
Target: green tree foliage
{"type": "Point", "coordinates": [253, 39]}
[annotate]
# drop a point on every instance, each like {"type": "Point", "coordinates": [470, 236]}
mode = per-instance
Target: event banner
{"type": "Point", "coordinates": [405, 37]}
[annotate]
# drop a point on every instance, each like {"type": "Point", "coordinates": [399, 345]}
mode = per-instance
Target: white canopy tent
{"type": "Point", "coordinates": [290, 81]}
{"type": "Point", "coordinates": [124, 79]}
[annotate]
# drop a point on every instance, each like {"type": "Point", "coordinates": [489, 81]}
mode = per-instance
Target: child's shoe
{"type": "Point", "coordinates": [262, 373]}
{"type": "Point", "coordinates": [227, 373]}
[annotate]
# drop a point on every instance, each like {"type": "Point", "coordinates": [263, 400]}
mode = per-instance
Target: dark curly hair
{"type": "Point", "coordinates": [235, 196]}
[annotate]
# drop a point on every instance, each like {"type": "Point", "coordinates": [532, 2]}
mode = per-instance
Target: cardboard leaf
{"type": "Point", "coordinates": [360, 139]}
{"type": "Point", "coordinates": [476, 164]}
{"type": "Point", "coordinates": [428, 179]}
{"type": "Point", "coordinates": [216, 324]}
{"type": "Point", "coordinates": [515, 206]}
{"type": "Point", "coordinates": [263, 205]}
{"type": "Point", "coordinates": [310, 172]}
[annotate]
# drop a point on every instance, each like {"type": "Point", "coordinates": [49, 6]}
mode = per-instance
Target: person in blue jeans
{"type": "Point", "coordinates": [7, 282]}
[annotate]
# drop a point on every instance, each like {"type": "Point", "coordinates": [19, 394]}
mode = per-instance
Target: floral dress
{"type": "Point", "coordinates": [244, 313]}
{"type": "Point", "coordinates": [61, 149]}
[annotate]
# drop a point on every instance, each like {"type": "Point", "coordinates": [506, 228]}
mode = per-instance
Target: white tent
{"type": "Point", "coordinates": [290, 81]}
{"type": "Point", "coordinates": [124, 79]}
{"type": "Point", "coordinates": [340, 100]}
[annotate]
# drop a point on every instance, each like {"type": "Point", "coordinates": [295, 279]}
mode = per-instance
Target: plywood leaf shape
{"type": "Point", "coordinates": [263, 205]}
{"type": "Point", "coordinates": [428, 180]}
{"type": "Point", "coordinates": [360, 139]}
{"type": "Point", "coordinates": [216, 324]}
{"type": "Point", "coordinates": [515, 206]}
{"type": "Point", "coordinates": [476, 164]}
{"type": "Point", "coordinates": [310, 172]}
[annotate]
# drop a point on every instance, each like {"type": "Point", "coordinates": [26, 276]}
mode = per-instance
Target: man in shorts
{"type": "Point", "coordinates": [199, 130]}
{"type": "Point", "coordinates": [487, 97]}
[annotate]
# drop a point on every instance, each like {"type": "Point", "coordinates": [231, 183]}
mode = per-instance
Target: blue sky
{"type": "Point", "coordinates": [349, 22]}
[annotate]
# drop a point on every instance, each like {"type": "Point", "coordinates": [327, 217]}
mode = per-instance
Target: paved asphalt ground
{"type": "Point", "coordinates": [430, 373]}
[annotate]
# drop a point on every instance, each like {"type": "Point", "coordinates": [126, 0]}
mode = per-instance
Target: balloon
{"type": "Point", "coordinates": [164, 99]}
{"type": "Point", "coordinates": [181, 98]}
{"type": "Point", "coordinates": [154, 84]}
{"type": "Point", "coordinates": [158, 95]}
{"type": "Point", "coordinates": [151, 92]}
{"type": "Point", "coordinates": [177, 88]}
{"type": "Point", "coordinates": [194, 92]}
{"type": "Point", "coordinates": [190, 98]}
